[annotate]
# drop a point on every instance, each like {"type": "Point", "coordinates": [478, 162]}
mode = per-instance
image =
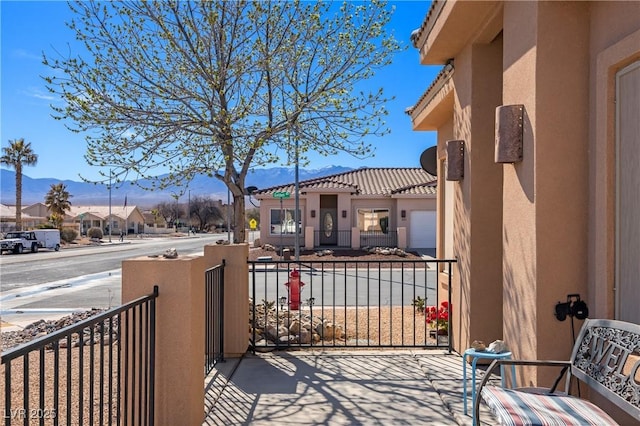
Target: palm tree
{"type": "Point", "coordinates": [17, 154]}
{"type": "Point", "coordinates": [57, 201]}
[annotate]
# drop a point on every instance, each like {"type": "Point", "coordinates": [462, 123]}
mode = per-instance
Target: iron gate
{"type": "Point", "coordinates": [349, 304]}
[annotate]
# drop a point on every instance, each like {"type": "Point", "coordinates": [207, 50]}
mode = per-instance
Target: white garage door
{"type": "Point", "coordinates": [422, 233]}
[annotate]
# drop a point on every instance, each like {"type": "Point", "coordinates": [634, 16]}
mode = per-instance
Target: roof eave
{"type": "Point", "coordinates": [451, 25]}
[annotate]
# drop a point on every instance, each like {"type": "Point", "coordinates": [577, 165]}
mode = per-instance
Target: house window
{"type": "Point", "coordinates": [283, 221]}
{"type": "Point", "coordinates": [373, 220]}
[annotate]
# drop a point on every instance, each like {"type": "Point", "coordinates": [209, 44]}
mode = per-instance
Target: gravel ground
{"type": "Point", "coordinates": [346, 257]}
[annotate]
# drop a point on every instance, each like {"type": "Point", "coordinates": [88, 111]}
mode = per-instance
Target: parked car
{"type": "Point", "coordinates": [18, 241]}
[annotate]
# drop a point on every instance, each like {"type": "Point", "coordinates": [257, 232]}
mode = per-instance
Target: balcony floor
{"type": "Point", "coordinates": [312, 387]}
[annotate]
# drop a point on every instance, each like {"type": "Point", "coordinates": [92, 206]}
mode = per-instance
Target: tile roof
{"type": "Point", "coordinates": [367, 181]}
{"type": "Point", "coordinates": [102, 211]}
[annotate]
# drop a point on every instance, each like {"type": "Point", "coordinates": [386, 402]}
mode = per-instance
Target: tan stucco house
{"type": "Point", "coordinates": [122, 217]}
{"type": "Point", "coordinates": [537, 113]}
{"type": "Point", "coordinates": [360, 208]}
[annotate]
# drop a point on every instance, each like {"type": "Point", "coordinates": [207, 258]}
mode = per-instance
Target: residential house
{"type": "Point", "coordinates": [537, 112]}
{"type": "Point", "coordinates": [30, 219]}
{"type": "Point", "coordinates": [129, 218]}
{"type": "Point", "coordinates": [364, 207]}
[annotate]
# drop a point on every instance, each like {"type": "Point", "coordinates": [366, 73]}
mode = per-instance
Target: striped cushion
{"type": "Point", "coordinates": [518, 408]}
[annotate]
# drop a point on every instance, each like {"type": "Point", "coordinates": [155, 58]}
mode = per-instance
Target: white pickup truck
{"type": "Point", "coordinates": [18, 241]}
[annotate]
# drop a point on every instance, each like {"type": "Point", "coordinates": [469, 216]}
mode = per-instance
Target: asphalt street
{"type": "Point", "coordinates": [49, 285]}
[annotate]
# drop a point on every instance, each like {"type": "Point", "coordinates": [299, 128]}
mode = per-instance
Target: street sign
{"type": "Point", "coordinates": [281, 194]}
{"type": "Point", "coordinates": [253, 223]}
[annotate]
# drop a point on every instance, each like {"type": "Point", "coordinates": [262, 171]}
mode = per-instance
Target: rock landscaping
{"type": "Point", "coordinates": [275, 327]}
{"type": "Point", "coordinates": [41, 328]}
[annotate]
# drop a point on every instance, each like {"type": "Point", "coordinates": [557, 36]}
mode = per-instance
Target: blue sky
{"type": "Point", "coordinates": [32, 27]}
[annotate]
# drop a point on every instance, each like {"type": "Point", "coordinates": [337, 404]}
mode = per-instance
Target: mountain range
{"type": "Point", "coordinates": [83, 193]}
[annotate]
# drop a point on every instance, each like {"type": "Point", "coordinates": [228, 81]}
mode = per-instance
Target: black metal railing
{"type": "Point", "coordinates": [378, 239]}
{"type": "Point", "coordinates": [97, 371]}
{"type": "Point", "coordinates": [214, 317]}
{"type": "Point", "coordinates": [349, 304]}
{"type": "Point", "coordinates": [335, 239]}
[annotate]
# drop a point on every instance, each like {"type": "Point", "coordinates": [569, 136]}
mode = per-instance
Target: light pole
{"type": "Point", "coordinates": [297, 208]}
{"type": "Point", "coordinates": [228, 214]}
{"type": "Point", "coordinates": [109, 205]}
{"type": "Point", "coordinates": [189, 214]}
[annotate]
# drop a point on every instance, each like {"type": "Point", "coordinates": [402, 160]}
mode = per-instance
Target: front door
{"type": "Point", "coordinates": [328, 220]}
{"type": "Point", "coordinates": [628, 193]}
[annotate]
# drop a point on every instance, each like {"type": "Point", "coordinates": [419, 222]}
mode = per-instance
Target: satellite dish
{"type": "Point", "coordinates": [428, 160]}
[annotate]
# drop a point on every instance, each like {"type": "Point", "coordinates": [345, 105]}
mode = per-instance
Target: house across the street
{"type": "Point", "coordinates": [391, 207]}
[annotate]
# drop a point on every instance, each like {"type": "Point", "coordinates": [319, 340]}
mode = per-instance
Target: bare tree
{"type": "Point", "coordinates": [219, 87]}
{"type": "Point", "coordinates": [206, 211]}
{"type": "Point", "coordinates": [170, 212]}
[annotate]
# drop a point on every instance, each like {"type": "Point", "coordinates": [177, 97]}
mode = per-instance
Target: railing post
{"type": "Point", "coordinates": [236, 294]}
{"type": "Point", "coordinates": [179, 334]}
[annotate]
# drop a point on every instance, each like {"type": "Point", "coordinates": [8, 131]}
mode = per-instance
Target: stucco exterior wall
{"type": "Point", "coordinates": [545, 199]}
{"type": "Point", "coordinates": [559, 60]}
{"type": "Point", "coordinates": [268, 204]}
{"type": "Point", "coordinates": [614, 44]}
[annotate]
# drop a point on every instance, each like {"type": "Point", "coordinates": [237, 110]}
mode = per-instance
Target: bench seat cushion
{"type": "Point", "coordinates": [518, 408]}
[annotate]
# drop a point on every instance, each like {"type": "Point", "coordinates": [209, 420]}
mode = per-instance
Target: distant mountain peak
{"type": "Point", "coordinates": [35, 189]}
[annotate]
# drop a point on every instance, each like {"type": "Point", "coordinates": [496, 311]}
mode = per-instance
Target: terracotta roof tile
{"type": "Point", "coordinates": [368, 181]}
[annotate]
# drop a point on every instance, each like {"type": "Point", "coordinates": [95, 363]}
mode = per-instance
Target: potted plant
{"type": "Point", "coordinates": [418, 304]}
{"type": "Point", "coordinates": [438, 319]}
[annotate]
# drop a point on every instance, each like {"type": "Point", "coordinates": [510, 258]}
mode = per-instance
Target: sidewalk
{"type": "Point", "coordinates": [356, 387]}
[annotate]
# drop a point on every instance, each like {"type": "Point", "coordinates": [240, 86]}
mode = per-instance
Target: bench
{"type": "Point", "coordinates": [606, 356]}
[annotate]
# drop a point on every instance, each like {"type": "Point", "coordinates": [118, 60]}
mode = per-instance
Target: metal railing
{"type": "Point", "coordinates": [214, 317]}
{"type": "Point", "coordinates": [97, 371]}
{"type": "Point", "coordinates": [339, 239]}
{"type": "Point", "coordinates": [347, 304]}
{"type": "Point", "coordinates": [378, 239]}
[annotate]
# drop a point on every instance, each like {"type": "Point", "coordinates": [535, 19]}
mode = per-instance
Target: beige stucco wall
{"type": "Point", "coordinates": [266, 205]}
{"type": "Point", "coordinates": [558, 235]}
{"type": "Point", "coordinates": [545, 198]}
{"type": "Point", "coordinates": [179, 332]}
{"type": "Point", "coordinates": [612, 48]}
{"type": "Point", "coordinates": [478, 197]}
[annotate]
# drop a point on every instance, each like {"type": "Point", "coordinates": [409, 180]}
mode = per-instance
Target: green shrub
{"type": "Point", "coordinates": [67, 235]}
{"type": "Point", "coordinates": [95, 233]}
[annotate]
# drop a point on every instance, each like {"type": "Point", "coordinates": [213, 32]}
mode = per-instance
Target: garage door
{"type": "Point", "coordinates": [422, 233]}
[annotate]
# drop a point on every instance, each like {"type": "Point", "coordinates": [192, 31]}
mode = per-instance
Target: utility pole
{"type": "Point", "coordinates": [110, 205]}
{"type": "Point", "coordinates": [228, 215]}
{"type": "Point", "coordinates": [296, 213]}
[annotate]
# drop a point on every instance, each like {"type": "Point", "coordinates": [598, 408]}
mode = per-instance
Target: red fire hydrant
{"type": "Point", "coordinates": [295, 286]}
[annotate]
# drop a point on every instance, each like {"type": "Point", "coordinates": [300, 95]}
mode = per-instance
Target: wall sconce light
{"type": "Point", "coordinates": [313, 213]}
{"type": "Point", "coordinates": [344, 213]}
{"type": "Point", "coordinates": [455, 160]}
{"type": "Point", "coordinates": [509, 133]}
{"type": "Point", "coordinates": [403, 214]}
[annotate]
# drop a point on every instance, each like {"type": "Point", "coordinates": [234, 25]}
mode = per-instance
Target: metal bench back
{"type": "Point", "coordinates": [607, 357]}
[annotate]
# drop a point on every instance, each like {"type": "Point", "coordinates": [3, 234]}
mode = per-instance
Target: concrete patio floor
{"type": "Point", "coordinates": [354, 387]}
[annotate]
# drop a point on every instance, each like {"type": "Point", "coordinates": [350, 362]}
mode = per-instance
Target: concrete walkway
{"type": "Point", "coordinates": [356, 387]}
